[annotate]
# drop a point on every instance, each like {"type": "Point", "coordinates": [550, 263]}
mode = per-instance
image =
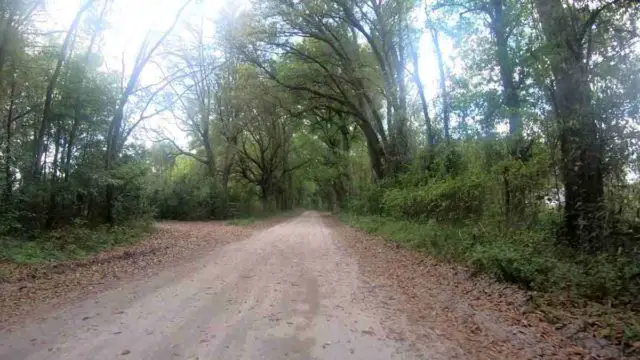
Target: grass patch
{"type": "Point", "coordinates": [253, 218]}
{"type": "Point", "coordinates": [604, 286]}
{"type": "Point", "coordinates": [75, 242]}
{"type": "Point", "coordinates": [242, 221]}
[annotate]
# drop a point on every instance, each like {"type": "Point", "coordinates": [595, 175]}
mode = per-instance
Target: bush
{"type": "Point", "coordinates": [516, 264]}
{"type": "Point", "coordinates": [455, 199]}
{"type": "Point", "coordinates": [528, 258]}
{"type": "Point", "coordinates": [475, 204]}
{"type": "Point", "coordinates": [189, 197]}
{"type": "Point", "coordinates": [609, 277]}
{"type": "Point", "coordinates": [74, 242]}
{"type": "Point", "coordinates": [367, 201]}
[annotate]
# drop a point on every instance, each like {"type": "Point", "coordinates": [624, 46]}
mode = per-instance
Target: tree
{"type": "Point", "coordinates": [48, 115]}
{"type": "Point", "coordinates": [446, 119]}
{"type": "Point", "coordinates": [265, 142]}
{"type": "Point", "coordinates": [115, 136]}
{"type": "Point", "coordinates": [332, 47]}
{"type": "Point", "coordinates": [423, 99]}
{"type": "Point", "coordinates": [504, 20]}
{"type": "Point", "coordinates": [581, 146]}
{"type": "Point", "coordinates": [193, 87]}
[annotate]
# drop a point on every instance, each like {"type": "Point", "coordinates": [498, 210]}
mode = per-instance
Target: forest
{"type": "Point", "coordinates": [519, 161]}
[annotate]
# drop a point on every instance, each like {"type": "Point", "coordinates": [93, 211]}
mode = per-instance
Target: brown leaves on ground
{"type": "Point", "coordinates": [29, 287]}
{"type": "Point", "coordinates": [486, 319]}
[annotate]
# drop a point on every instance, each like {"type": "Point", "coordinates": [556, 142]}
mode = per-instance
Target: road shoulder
{"type": "Point", "coordinates": [486, 319]}
{"type": "Point", "coordinates": [35, 291]}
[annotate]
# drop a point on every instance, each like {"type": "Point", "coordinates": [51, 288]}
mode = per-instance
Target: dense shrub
{"type": "Point", "coordinates": [454, 199]}
{"type": "Point", "coordinates": [187, 192]}
{"type": "Point", "coordinates": [367, 199]}
{"type": "Point", "coordinates": [74, 242]}
{"type": "Point", "coordinates": [500, 215]}
{"type": "Point", "coordinates": [528, 258]}
{"type": "Point", "coordinates": [188, 199]}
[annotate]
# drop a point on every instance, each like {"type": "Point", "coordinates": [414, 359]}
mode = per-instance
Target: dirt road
{"type": "Point", "coordinates": [289, 292]}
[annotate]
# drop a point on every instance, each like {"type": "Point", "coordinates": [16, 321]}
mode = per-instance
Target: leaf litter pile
{"type": "Point", "coordinates": [28, 288]}
{"type": "Point", "coordinates": [484, 318]}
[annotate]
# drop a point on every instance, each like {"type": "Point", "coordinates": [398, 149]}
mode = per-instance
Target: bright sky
{"type": "Point", "coordinates": [129, 21]}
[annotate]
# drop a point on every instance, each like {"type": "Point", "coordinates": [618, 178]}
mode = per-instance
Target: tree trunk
{"type": "Point", "coordinates": [514, 200]}
{"type": "Point", "coordinates": [264, 197]}
{"type": "Point", "coordinates": [53, 200]}
{"type": "Point", "coordinates": [48, 102]}
{"type": "Point", "coordinates": [443, 85]}
{"type": "Point", "coordinates": [511, 97]}
{"type": "Point", "coordinates": [229, 157]}
{"type": "Point", "coordinates": [584, 211]}
{"type": "Point", "coordinates": [5, 33]}
{"type": "Point", "coordinates": [115, 128]}
{"type": "Point", "coordinates": [374, 149]}
{"type": "Point", "coordinates": [401, 136]}
{"type": "Point", "coordinates": [112, 145]}
{"type": "Point", "coordinates": [226, 174]}
{"type": "Point", "coordinates": [208, 148]}
{"type": "Point", "coordinates": [423, 98]}
{"type": "Point", "coordinates": [8, 185]}
{"type": "Point", "coordinates": [70, 143]}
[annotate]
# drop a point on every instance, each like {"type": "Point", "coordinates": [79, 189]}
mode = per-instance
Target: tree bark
{"type": "Point", "coordinates": [8, 186]}
{"type": "Point", "coordinates": [374, 148]}
{"type": "Point", "coordinates": [208, 146]}
{"type": "Point", "coordinates": [511, 97]}
{"type": "Point", "coordinates": [584, 211]}
{"type": "Point", "coordinates": [443, 86]}
{"type": "Point", "coordinates": [53, 199]}
{"type": "Point", "coordinates": [401, 136]}
{"type": "Point", "coordinates": [5, 34]}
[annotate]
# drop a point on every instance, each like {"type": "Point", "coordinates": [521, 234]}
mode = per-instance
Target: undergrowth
{"type": "Point", "coordinates": [256, 216]}
{"type": "Point", "coordinates": [606, 286]}
{"type": "Point", "coordinates": [74, 242]}
{"type": "Point", "coordinates": [242, 221]}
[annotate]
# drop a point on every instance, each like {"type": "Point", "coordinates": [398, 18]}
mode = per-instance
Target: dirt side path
{"type": "Point", "coordinates": [303, 289]}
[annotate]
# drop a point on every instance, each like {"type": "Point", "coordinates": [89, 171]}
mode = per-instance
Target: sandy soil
{"type": "Point", "coordinates": [286, 292]}
{"type": "Point", "coordinates": [302, 289]}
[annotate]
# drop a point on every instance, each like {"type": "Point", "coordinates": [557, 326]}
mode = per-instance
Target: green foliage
{"type": "Point", "coordinates": [242, 221]}
{"type": "Point", "coordinates": [74, 242]}
{"type": "Point", "coordinates": [131, 182]}
{"type": "Point", "coordinates": [501, 221]}
{"type": "Point", "coordinates": [188, 198]}
{"type": "Point", "coordinates": [455, 199]}
{"type": "Point", "coordinates": [527, 258]}
{"type": "Point", "coordinates": [185, 192]}
{"type": "Point", "coordinates": [368, 199]}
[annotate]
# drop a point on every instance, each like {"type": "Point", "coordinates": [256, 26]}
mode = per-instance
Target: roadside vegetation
{"type": "Point", "coordinates": [459, 214]}
{"type": "Point", "coordinates": [72, 243]}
